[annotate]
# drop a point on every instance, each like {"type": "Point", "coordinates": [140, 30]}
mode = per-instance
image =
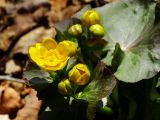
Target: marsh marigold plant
{"type": "Point", "coordinates": [101, 51]}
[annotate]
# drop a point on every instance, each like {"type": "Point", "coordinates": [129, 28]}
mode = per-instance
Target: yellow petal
{"type": "Point", "coordinates": [67, 47]}
{"type": "Point", "coordinates": [84, 79]}
{"type": "Point", "coordinates": [75, 76]}
{"type": "Point", "coordinates": [37, 52]}
{"type": "Point", "coordinates": [49, 43]}
{"type": "Point", "coordinates": [41, 50]}
{"type": "Point", "coordinates": [58, 65]}
{"type": "Point", "coordinates": [61, 53]}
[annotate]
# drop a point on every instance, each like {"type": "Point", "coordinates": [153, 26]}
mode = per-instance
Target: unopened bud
{"type": "Point", "coordinates": [97, 30]}
{"type": "Point", "coordinates": [79, 74]}
{"type": "Point", "coordinates": [90, 17]}
{"type": "Point", "coordinates": [75, 29]}
{"type": "Point", "coordinates": [64, 87]}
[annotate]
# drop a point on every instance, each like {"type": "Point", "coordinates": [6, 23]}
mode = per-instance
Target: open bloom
{"type": "Point", "coordinates": [49, 56]}
{"type": "Point", "coordinates": [79, 74]}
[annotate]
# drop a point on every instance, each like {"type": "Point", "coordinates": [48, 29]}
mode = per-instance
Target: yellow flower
{"type": "Point", "coordinates": [90, 17]}
{"type": "Point", "coordinates": [48, 56]}
{"type": "Point", "coordinates": [64, 87]}
{"type": "Point", "coordinates": [79, 74]}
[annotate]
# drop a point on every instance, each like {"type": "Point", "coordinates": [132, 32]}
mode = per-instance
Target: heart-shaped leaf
{"type": "Point", "coordinates": [130, 23]}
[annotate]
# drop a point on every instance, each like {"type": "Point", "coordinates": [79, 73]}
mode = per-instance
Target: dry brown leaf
{"type": "Point", "coordinates": [58, 5]}
{"type": "Point", "coordinates": [22, 25]}
{"type": "Point", "coordinates": [32, 37]}
{"type": "Point", "coordinates": [2, 3]}
{"type": "Point", "coordinates": [70, 10]}
{"type": "Point", "coordinates": [10, 100]}
{"type": "Point", "coordinates": [22, 89]}
{"type": "Point", "coordinates": [4, 117]}
{"type": "Point", "coordinates": [87, 1]}
{"type": "Point", "coordinates": [60, 10]}
{"type": "Point", "coordinates": [11, 67]}
{"type": "Point", "coordinates": [31, 108]}
{"type": "Point", "coordinates": [25, 16]}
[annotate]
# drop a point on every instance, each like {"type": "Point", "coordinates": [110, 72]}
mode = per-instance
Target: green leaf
{"type": "Point", "coordinates": [141, 61]}
{"type": "Point", "coordinates": [37, 78]}
{"type": "Point", "coordinates": [115, 58]}
{"type": "Point", "coordinates": [71, 63]}
{"type": "Point", "coordinates": [158, 82]}
{"type": "Point", "coordinates": [130, 23]}
{"type": "Point", "coordinates": [39, 84]}
{"type": "Point", "coordinates": [100, 87]}
{"type": "Point", "coordinates": [36, 73]}
{"type": "Point", "coordinates": [137, 65]}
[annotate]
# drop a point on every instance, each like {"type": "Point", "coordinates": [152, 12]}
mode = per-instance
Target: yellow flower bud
{"type": "Point", "coordinates": [97, 30]}
{"type": "Point", "coordinates": [64, 87]}
{"type": "Point", "coordinates": [90, 17]}
{"type": "Point", "coordinates": [79, 74]}
{"type": "Point", "coordinates": [75, 29]}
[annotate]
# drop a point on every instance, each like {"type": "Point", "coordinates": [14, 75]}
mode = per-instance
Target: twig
{"type": "Point", "coordinates": [9, 78]}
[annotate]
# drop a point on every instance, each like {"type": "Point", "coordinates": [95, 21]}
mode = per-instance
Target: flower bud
{"type": "Point", "coordinates": [79, 74]}
{"type": "Point", "coordinates": [75, 29]}
{"type": "Point", "coordinates": [97, 30]}
{"type": "Point", "coordinates": [64, 87]}
{"type": "Point", "coordinates": [90, 17]}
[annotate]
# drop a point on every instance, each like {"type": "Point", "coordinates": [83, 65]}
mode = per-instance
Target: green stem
{"type": "Point", "coordinates": [105, 110]}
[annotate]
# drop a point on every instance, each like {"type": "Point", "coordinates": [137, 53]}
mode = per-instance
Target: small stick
{"type": "Point", "coordinates": [9, 78]}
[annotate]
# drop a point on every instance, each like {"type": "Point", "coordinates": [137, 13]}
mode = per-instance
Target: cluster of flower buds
{"type": "Point", "coordinates": [78, 75]}
{"type": "Point", "coordinates": [91, 19]}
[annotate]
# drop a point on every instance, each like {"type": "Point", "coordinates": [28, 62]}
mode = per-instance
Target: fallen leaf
{"type": "Point", "coordinates": [11, 67]}
{"type": "Point", "coordinates": [10, 100]}
{"type": "Point", "coordinates": [25, 17]}
{"type": "Point", "coordinates": [31, 108]}
{"type": "Point", "coordinates": [32, 37]}
{"type": "Point", "coordinates": [60, 10]}
{"type": "Point", "coordinates": [4, 117]}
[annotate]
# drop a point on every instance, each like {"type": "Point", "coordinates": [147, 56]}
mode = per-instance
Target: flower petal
{"type": "Point", "coordinates": [37, 52]}
{"type": "Point", "coordinates": [49, 43]}
{"type": "Point", "coordinates": [67, 47]}
{"type": "Point", "coordinates": [55, 66]}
